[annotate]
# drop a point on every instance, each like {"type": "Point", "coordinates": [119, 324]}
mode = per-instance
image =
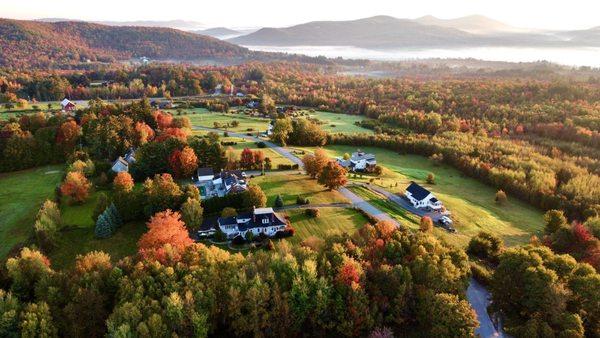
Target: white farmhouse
{"type": "Point", "coordinates": [422, 198]}
{"type": "Point", "coordinates": [359, 161]}
{"type": "Point", "coordinates": [221, 184]}
{"type": "Point", "coordinates": [259, 221]}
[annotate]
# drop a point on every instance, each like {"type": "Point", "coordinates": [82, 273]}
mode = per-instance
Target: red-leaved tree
{"type": "Point", "coordinates": [183, 162]}
{"type": "Point", "coordinates": [247, 159]}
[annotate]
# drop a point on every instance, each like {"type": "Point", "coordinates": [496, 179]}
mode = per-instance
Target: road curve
{"type": "Point", "coordinates": [477, 294]}
{"type": "Point", "coordinates": [281, 150]}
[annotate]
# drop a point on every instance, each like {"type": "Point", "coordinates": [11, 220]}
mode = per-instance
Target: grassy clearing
{"type": "Point", "coordinates": [78, 236]}
{"type": "Point", "coordinates": [276, 158]}
{"type": "Point", "coordinates": [81, 240]}
{"type": "Point", "coordinates": [290, 186]}
{"type": "Point", "coordinates": [340, 123]}
{"type": "Point", "coordinates": [470, 201]}
{"type": "Point", "coordinates": [204, 118]}
{"type": "Point", "coordinates": [330, 220]}
{"type": "Point", "coordinates": [21, 195]}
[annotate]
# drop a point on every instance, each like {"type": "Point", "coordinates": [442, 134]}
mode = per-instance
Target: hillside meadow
{"type": "Point", "coordinates": [471, 203]}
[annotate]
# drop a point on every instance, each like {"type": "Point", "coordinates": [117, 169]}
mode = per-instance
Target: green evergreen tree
{"type": "Point", "coordinates": [103, 228]}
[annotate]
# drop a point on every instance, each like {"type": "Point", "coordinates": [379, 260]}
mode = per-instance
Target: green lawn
{"type": "Point", "coordinates": [78, 236]}
{"type": "Point", "coordinates": [21, 195]}
{"type": "Point", "coordinates": [382, 203]}
{"type": "Point", "coordinates": [204, 118]}
{"type": "Point", "coordinates": [339, 123]}
{"type": "Point", "coordinates": [276, 158]}
{"type": "Point", "coordinates": [471, 202]}
{"type": "Point", "coordinates": [290, 186]}
{"type": "Point", "coordinates": [330, 220]}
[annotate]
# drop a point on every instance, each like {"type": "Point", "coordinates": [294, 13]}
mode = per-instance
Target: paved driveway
{"type": "Point", "coordinates": [365, 206]}
{"type": "Point", "coordinates": [404, 203]}
{"type": "Point", "coordinates": [477, 295]}
{"type": "Point", "coordinates": [282, 151]}
{"type": "Point", "coordinates": [479, 298]}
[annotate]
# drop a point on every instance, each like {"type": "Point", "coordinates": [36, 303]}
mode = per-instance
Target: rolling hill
{"type": "Point", "coordinates": [48, 44]}
{"type": "Point", "coordinates": [219, 32]}
{"type": "Point", "coordinates": [476, 24]}
{"type": "Point", "coordinates": [374, 32]}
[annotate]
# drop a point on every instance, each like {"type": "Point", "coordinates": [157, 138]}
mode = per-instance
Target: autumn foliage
{"type": "Point", "coordinates": [76, 187]}
{"type": "Point", "coordinates": [123, 182]}
{"type": "Point", "coordinates": [166, 236]}
{"type": "Point", "coordinates": [183, 162]}
{"type": "Point", "coordinates": [333, 175]}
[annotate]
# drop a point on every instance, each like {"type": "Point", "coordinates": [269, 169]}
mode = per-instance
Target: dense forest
{"type": "Point", "coordinates": [535, 139]}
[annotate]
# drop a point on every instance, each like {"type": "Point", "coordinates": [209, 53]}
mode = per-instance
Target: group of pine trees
{"type": "Point", "coordinates": [108, 222]}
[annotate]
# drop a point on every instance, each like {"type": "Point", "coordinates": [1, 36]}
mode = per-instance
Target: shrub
{"type": "Point", "coordinates": [481, 273]}
{"type": "Point", "coordinates": [426, 224]}
{"type": "Point", "coordinates": [261, 144]}
{"type": "Point", "coordinates": [278, 202]}
{"type": "Point", "coordinates": [302, 200]}
{"type": "Point", "coordinates": [219, 236]}
{"type": "Point", "coordinates": [228, 212]}
{"type": "Point", "coordinates": [501, 197]}
{"type": "Point", "coordinates": [312, 212]}
{"type": "Point", "coordinates": [238, 240]}
{"type": "Point", "coordinates": [431, 178]}
{"type": "Point", "coordinates": [485, 246]}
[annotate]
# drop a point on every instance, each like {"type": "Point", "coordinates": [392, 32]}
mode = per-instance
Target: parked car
{"type": "Point", "coordinates": [446, 223]}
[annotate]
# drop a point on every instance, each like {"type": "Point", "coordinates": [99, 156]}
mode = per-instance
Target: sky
{"type": "Point", "coordinates": [542, 14]}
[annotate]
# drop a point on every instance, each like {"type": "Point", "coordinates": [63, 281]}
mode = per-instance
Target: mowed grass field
{"type": "Point", "coordinates": [382, 203]}
{"type": "Point", "coordinates": [204, 118]}
{"type": "Point", "coordinates": [276, 158]}
{"type": "Point", "coordinates": [339, 123]}
{"type": "Point", "coordinates": [21, 195]}
{"type": "Point", "coordinates": [471, 202]}
{"type": "Point", "coordinates": [290, 186]}
{"type": "Point", "coordinates": [330, 220]}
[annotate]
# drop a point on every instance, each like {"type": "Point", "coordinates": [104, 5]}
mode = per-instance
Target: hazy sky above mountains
{"type": "Point", "coordinates": [546, 14]}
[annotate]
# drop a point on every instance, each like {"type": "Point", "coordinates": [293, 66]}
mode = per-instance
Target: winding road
{"type": "Point", "coordinates": [477, 295]}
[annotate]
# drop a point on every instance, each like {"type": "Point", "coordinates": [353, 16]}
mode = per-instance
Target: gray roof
{"type": "Point", "coordinates": [417, 191]}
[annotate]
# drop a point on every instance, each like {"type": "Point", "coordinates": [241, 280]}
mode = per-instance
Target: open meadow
{"type": "Point", "coordinates": [21, 195]}
{"type": "Point", "coordinates": [471, 203]}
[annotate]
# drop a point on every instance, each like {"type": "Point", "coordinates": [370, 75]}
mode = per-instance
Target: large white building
{"type": "Point", "coordinates": [422, 198]}
{"type": "Point", "coordinates": [259, 221]}
{"type": "Point", "coordinates": [358, 161]}
{"type": "Point", "coordinates": [221, 184]}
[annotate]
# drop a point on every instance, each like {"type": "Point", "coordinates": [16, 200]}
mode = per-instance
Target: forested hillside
{"type": "Point", "coordinates": [44, 44]}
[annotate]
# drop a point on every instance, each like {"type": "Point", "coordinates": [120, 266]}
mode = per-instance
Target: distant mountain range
{"type": "Point", "coordinates": [476, 24]}
{"type": "Point", "coordinates": [219, 32]}
{"type": "Point", "coordinates": [385, 32]}
{"type": "Point", "coordinates": [184, 25]}
{"type": "Point", "coordinates": [43, 44]}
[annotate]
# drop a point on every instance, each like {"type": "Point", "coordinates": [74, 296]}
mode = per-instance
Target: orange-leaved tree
{"type": "Point", "coordinates": [76, 187]}
{"type": "Point", "coordinates": [167, 236]}
{"type": "Point", "coordinates": [123, 182]}
{"type": "Point", "coordinates": [183, 162]}
{"type": "Point", "coordinates": [333, 176]}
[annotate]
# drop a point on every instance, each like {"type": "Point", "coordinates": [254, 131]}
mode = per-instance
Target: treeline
{"type": "Point", "coordinates": [549, 183]}
{"type": "Point", "coordinates": [119, 82]}
{"type": "Point", "coordinates": [379, 281]}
